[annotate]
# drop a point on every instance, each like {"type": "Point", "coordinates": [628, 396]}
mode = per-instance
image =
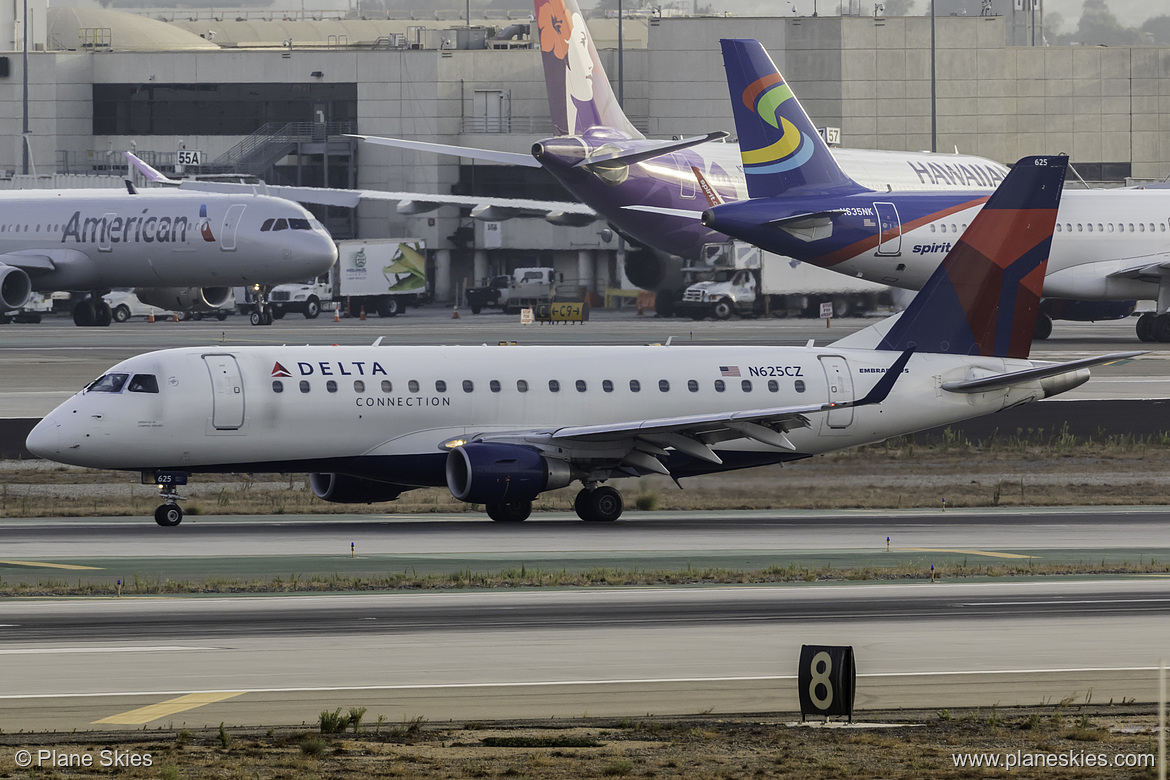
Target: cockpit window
{"type": "Point", "coordinates": [299, 224]}
{"type": "Point", "coordinates": [281, 224]}
{"type": "Point", "coordinates": [143, 383]}
{"type": "Point", "coordinates": [110, 383]}
{"type": "Point", "coordinates": [267, 225]}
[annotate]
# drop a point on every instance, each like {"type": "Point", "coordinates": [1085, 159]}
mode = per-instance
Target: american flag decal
{"type": "Point", "coordinates": [728, 370]}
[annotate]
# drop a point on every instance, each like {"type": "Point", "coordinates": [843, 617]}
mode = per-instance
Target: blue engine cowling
{"type": "Point", "coordinates": [485, 473]}
{"type": "Point", "coordinates": [344, 489]}
{"type": "Point", "coordinates": [1086, 311]}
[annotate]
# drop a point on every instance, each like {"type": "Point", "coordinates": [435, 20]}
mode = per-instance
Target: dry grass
{"type": "Point", "coordinates": [696, 747]}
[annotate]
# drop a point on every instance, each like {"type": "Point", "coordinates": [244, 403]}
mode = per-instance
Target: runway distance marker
{"type": "Point", "coordinates": [169, 707]}
{"type": "Point", "coordinates": [39, 564]}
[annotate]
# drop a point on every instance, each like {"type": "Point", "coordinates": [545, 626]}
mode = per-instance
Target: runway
{"type": "Point", "coordinates": [196, 662]}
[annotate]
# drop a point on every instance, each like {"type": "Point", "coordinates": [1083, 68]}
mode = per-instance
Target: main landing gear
{"type": "Point", "coordinates": [1154, 327]}
{"type": "Point", "coordinates": [600, 504]}
{"type": "Point", "coordinates": [93, 311]}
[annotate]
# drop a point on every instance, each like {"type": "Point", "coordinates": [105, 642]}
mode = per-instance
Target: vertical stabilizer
{"type": "Point", "coordinates": [778, 143]}
{"type": "Point", "coordinates": [579, 94]}
{"type": "Point", "coordinates": [984, 297]}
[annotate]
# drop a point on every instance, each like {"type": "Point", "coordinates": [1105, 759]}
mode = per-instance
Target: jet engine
{"type": "Point", "coordinates": [15, 288]}
{"type": "Point", "coordinates": [344, 489]}
{"type": "Point", "coordinates": [184, 298]}
{"type": "Point", "coordinates": [485, 473]}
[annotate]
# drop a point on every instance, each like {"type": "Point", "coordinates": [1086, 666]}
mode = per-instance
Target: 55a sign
{"type": "Point", "coordinates": [188, 157]}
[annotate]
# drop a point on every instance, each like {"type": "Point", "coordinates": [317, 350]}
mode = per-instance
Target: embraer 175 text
{"type": "Point", "coordinates": [180, 250]}
{"type": "Point", "coordinates": [500, 425]}
{"type": "Point", "coordinates": [1109, 249]}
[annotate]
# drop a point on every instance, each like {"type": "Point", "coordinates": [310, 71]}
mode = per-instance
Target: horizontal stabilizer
{"type": "Point", "coordinates": [487, 155]}
{"type": "Point", "coordinates": [666, 147]}
{"type": "Point", "coordinates": [999, 381]}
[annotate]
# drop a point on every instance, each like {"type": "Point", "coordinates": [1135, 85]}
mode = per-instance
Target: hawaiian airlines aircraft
{"type": "Point", "coordinates": [180, 250]}
{"type": "Point", "coordinates": [1109, 245]}
{"type": "Point", "coordinates": [500, 425]}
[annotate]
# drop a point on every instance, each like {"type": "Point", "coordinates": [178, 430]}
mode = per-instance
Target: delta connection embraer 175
{"type": "Point", "coordinates": [180, 250]}
{"type": "Point", "coordinates": [500, 425]}
{"type": "Point", "coordinates": [1109, 246]}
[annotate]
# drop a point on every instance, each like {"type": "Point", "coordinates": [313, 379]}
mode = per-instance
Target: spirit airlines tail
{"type": "Point", "coordinates": [1109, 245]}
{"type": "Point", "coordinates": [180, 250]}
{"type": "Point", "coordinates": [500, 425]}
{"type": "Point", "coordinates": [606, 163]}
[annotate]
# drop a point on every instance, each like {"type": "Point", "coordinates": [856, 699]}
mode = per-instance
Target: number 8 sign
{"type": "Point", "coordinates": [826, 680]}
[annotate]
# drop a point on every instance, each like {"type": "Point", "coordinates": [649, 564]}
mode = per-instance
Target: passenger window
{"type": "Point", "coordinates": [110, 383]}
{"type": "Point", "coordinates": [720, 386]}
{"type": "Point", "coordinates": [746, 385]}
{"type": "Point", "coordinates": [143, 383]}
{"type": "Point", "coordinates": [386, 386]}
{"type": "Point", "coordinates": [1141, 227]}
{"type": "Point", "coordinates": [521, 386]}
{"type": "Point", "coordinates": [1090, 228]}
{"type": "Point", "coordinates": [331, 386]}
{"type": "Point", "coordinates": [304, 385]}
{"type": "Point", "coordinates": [607, 386]}
{"type": "Point", "coordinates": [663, 386]}
{"type": "Point", "coordinates": [799, 385]}
{"type": "Point", "coordinates": [494, 385]}
{"type": "Point", "coordinates": [468, 385]}
{"type": "Point", "coordinates": [440, 386]}
{"type": "Point", "coordinates": [773, 386]}
{"type": "Point", "coordinates": [359, 386]}
{"type": "Point", "coordinates": [554, 386]}
{"type": "Point", "coordinates": [277, 386]}
{"type": "Point", "coordinates": [1058, 227]}
{"type": "Point", "coordinates": [581, 387]}
{"type": "Point", "coordinates": [635, 385]}
{"type": "Point", "coordinates": [267, 225]}
{"type": "Point", "coordinates": [693, 385]}
{"type": "Point", "coordinates": [412, 385]}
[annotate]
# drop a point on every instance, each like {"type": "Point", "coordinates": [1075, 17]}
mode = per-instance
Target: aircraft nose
{"type": "Point", "coordinates": [44, 440]}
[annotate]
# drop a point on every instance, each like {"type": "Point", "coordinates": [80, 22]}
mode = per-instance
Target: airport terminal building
{"type": "Point", "coordinates": [272, 94]}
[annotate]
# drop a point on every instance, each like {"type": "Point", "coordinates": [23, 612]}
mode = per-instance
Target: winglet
{"type": "Point", "coordinates": [150, 173]}
{"type": "Point", "coordinates": [886, 383]}
{"type": "Point", "coordinates": [984, 297]}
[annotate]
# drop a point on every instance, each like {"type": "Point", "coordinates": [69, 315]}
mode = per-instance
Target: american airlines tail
{"type": "Point", "coordinates": [984, 297]}
{"type": "Point", "coordinates": [780, 147]}
{"type": "Point", "coordinates": [579, 94]}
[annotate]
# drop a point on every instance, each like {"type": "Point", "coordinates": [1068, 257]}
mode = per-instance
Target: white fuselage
{"type": "Point", "coordinates": [99, 239]}
{"type": "Point", "coordinates": [386, 411]}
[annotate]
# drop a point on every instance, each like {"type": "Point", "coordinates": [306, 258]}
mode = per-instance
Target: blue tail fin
{"type": "Point", "coordinates": [780, 147]}
{"type": "Point", "coordinates": [579, 94]}
{"type": "Point", "coordinates": [984, 297]}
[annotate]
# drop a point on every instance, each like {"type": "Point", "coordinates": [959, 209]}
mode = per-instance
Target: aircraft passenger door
{"type": "Point", "coordinates": [105, 239]}
{"type": "Point", "coordinates": [227, 387]}
{"type": "Point", "coordinates": [231, 223]}
{"type": "Point", "coordinates": [688, 184]}
{"type": "Point", "coordinates": [840, 389]}
{"type": "Point", "coordinates": [890, 229]}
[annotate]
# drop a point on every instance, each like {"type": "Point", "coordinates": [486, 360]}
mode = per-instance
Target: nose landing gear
{"type": "Point", "coordinates": [169, 514]}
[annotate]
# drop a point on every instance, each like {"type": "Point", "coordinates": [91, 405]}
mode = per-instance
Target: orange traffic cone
{"type": "Point", "coordinates": [455, 312]}
{"type": "Point", "coordinates": [363, 315]}
{"type": "Point", "coordinates": [150, 316]}
{"type": "Point", "coordinates": [337, 314]}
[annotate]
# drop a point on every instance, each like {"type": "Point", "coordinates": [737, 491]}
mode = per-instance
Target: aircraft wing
{"type": "Point", "coordinates": [488, 155]}
{"type": "Point", "coordinates": [637, 445]}
{"type": "Point", "coordinates": [1145, 269]}
{"type": "Point", "coordinates": [484, 208]}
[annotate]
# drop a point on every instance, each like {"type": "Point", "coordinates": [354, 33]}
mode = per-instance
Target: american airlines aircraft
{"type": "Point", "coordinates": [500, 425]}
{"type": "Point", "coordinates": [1109, 246]}
{"type": "Point", "coordinates": [180, 250]}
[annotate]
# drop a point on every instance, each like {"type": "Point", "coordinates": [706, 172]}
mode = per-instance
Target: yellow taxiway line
{"type": "Point", "coordinates": [964, 552]}
{"type": "Point", "coordinates": [36, 564]}
{"type": "Point", "coordinates": [169, 707]}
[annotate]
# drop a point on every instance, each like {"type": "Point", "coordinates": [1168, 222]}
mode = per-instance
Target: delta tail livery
{"type": "Point", "coordinates": [500, 425]}
{"type": "Point", "coordinates": [1110, 246]}
{"type": "Point", "coordinates": [180, 250]}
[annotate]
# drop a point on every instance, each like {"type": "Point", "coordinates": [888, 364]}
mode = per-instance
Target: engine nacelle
{"type": "Point", "coordinates": [485, 473]}
{"type": "Point", "coordinates": [184, 298]}
{"type": "Point", "coordinates": [344, 489]}
{"type": "Point", "coordinates": [15, 288]}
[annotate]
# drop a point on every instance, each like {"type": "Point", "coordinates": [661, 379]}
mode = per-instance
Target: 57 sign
{"type": "Point", "coordinates": [188, 157]}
